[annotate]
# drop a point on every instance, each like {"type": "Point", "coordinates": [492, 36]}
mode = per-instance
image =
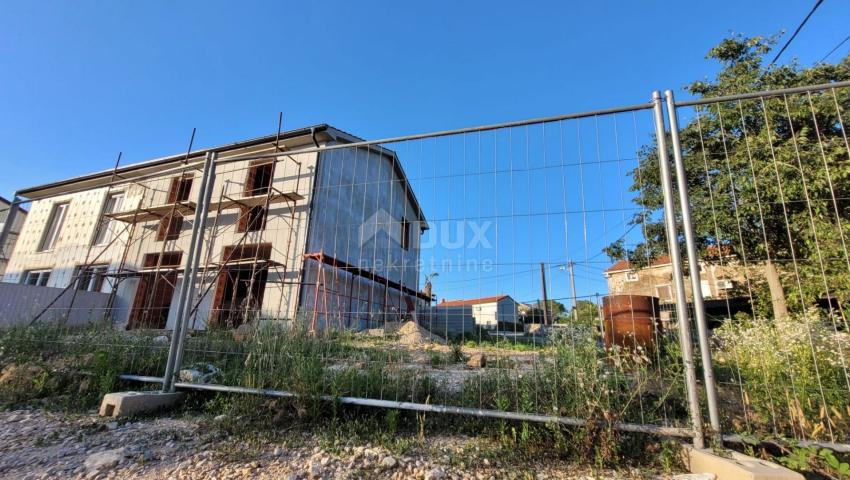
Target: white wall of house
{"type": "Point", "coordinates": [483, 315]}
{"type": "Point", "coordinates": [73, 248]}
{"type": "Point", "coordinates": [489, 314]}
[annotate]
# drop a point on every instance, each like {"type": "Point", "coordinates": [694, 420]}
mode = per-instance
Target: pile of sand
{"type": "Point", "coordinates": [410, 333]}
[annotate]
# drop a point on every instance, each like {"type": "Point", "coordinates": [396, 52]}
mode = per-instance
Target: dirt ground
{"type": "Point", "coordinates": [35, 444]}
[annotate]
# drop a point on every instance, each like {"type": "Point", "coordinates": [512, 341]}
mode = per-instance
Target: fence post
{"type": "Point", "coordinates": [678, 277]}
{"type": "Point", "coordinates": [693, 262]}
{"type": "Point", "coordinates": [204, 207]}
{"type": "Point", "coordinates": [178, 334]}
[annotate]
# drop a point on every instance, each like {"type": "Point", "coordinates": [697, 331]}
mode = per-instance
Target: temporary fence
{"type": "Point", "coordinates": [631, 267]}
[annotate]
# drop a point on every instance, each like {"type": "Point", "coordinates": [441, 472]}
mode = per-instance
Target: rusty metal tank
{"type": "Point", "coordinates": [631, 320]}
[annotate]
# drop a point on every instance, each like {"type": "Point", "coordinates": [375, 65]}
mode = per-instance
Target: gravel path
{"type": "Point", "coordinates": [42, 445]}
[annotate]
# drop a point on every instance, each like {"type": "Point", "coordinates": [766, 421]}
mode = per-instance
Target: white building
{"type": "Point", "coordinates": [486, 312]}
{"type": "Point", "coordinates": [299, 236]}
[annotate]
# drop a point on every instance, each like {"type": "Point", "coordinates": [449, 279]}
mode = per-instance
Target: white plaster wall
{"type": "Point", "coordinates": [72, 247]}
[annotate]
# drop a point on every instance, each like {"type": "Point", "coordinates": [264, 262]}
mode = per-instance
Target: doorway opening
{"type": "Point", "coordinates": [240, 285]}
{"type": "Point", "coordinates": [155, 291]}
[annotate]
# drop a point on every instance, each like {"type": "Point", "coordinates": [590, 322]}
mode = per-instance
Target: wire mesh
{"type": "Point", "coordinates": [768, 179]}
{"type": "Point", "coordinates": [521, 269]}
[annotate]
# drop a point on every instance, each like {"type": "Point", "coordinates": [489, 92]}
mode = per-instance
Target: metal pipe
{"type": "Point", "coordinates": [626, 427]}
{"type": "Point", "coordinates": [424, 407]}
{"type": "Point", "coordinates": [189, 278]}
{"type": "Point", "coordinates": [545, 296]}
{"type": "Point", "coordinates": [764, 93]}
{"type": "Point", "coordinates": [678, 278]}
{"type": "Point", "coordinates": [177, 335]}
{"type": "Point", "coordinates": [444, 133]}
{"type": "Point", "coordinates": [693, 262]}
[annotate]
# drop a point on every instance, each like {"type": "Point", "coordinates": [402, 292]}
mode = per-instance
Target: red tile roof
{"type": "Point", "coordinates": [471, 301]}
{"type": "Point", "coordinates": [624, 265]}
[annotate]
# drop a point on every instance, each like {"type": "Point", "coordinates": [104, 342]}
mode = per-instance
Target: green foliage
{"type": "Point", "coordinates": [71, 367]}
{"type": "Point", "coordinates": [584, 312]}
{"type": "Point", "coordinates": [766, 177]}
{"type": "Point", "coordinates": [812, 459]}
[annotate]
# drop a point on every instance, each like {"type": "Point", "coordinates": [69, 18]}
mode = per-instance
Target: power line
{"type": "Point", "coordinates": [834, 49]}
{"type": "Point", "coordinates": [800, 27]}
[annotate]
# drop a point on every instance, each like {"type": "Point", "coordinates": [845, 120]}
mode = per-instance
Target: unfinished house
{"type": "Point", "coordinates": [329, 237]}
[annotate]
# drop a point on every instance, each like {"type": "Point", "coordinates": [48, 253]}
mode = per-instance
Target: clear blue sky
{"type": "Point", "coordinates": [84, 80]}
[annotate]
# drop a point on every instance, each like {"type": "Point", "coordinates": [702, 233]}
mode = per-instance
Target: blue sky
{"type": "Point", "coordinates": [84, 80]}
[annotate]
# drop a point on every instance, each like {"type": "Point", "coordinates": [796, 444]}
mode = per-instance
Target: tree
{"type": "Point", "coordinates": [768, 178]}
{"type": "Point", "coordinates": [584, 312]}
{"type": "Point", "coordinates": [533, 312]}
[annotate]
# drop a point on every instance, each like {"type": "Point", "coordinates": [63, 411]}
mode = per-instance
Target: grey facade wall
{"type": "Point", "coordinates": [360, 203]}
{"type": "Point", "coordinates": [8, 246]}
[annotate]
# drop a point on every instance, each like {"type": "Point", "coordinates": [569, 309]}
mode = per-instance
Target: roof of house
{"type": "Point", "coordinates": [6, 202]}
{"type": "Point", "coordinates": [129, 171]}
{"type": "Point", "coordinates": [472, 301]}
{"type": "Point", "coordinates": [625, 265]}
{"type": "Point", "coordinates": [162, 161]}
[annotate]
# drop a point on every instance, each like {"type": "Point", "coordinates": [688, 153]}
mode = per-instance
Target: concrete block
{"type": "Point", "coordinates": [122, 404]}
{"type": "Point", "coordinates": [731, 465]}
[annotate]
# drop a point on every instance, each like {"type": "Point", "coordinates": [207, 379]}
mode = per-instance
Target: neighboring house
{"type": "Point", "coordinates": [486, 312]}
{"type": "Point", "coordinates": [280, 241]}
{"type": "Point", "coordinates": [721, 285]}
{"type": "Point", "coordinates": [8, 245]}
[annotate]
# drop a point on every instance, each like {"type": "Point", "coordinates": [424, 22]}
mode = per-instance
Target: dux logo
{"type": "Point", "coordinates": [380, 221]}
{"type": "Point", "coordinates": [449, 235]}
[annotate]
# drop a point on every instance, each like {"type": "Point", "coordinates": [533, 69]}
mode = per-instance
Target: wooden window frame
{"type": "Point", "coordinates": [104, 234]}
{"type": "Point", "coordinates": [53, 227]}
{"type": "Point", "coordinates": [91, 278]}
{"type": "Point", "coordinates": [254, 168]}
{"type": "Point", "coordinates": [41, 273]}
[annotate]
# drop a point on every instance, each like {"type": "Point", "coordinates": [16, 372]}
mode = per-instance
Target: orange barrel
{"type": "Point", "coordinates": [631, 320]}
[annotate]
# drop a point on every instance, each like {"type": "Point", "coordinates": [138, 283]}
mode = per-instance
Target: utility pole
{"type": "Point", "coordinates": [545, 298]}
{"type": "Point", "coordinates": [573, 285]}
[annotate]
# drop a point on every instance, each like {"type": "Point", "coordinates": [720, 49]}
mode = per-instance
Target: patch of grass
{"type": "Point", "coordinates": [71, 368]}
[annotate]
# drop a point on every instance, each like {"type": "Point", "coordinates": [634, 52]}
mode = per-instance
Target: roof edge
{"type": "Point", "coordinates": [173, 158]}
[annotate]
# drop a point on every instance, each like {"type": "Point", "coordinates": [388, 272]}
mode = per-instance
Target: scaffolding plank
{"type": "Point", "coordinates": [256, 200]}
{"type": "Point", "coordinates": [245, 262]}
{"type": "Point", "coordinates": [146, 214]}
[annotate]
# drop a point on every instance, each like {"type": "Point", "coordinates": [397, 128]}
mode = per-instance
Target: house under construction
{"type": "Point", "coordinates": [329, 236]}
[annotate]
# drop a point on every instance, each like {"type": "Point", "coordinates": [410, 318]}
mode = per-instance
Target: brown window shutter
{"type": "Point", "coordinates": [172, 192]}
{"type": "Point", "coordinates": [242, 224]}
{"type": "Point", "coordinates": [163, 229]}
{"type": "Point", "coordinates": [249, 181]}
{"type": "Point", "coordinates": [169, 228]}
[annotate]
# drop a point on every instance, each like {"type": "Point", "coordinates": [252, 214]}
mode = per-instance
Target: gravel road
{"type": "Point", "coordinates": [35, 444]}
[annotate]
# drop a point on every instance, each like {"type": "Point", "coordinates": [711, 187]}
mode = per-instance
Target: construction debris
{"type": "Point", "coordinates": [199, 373]}
{"type": "Point", "coordinates": [477, 361]}
{"type": "Point", "coordinates": [410, 333]}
